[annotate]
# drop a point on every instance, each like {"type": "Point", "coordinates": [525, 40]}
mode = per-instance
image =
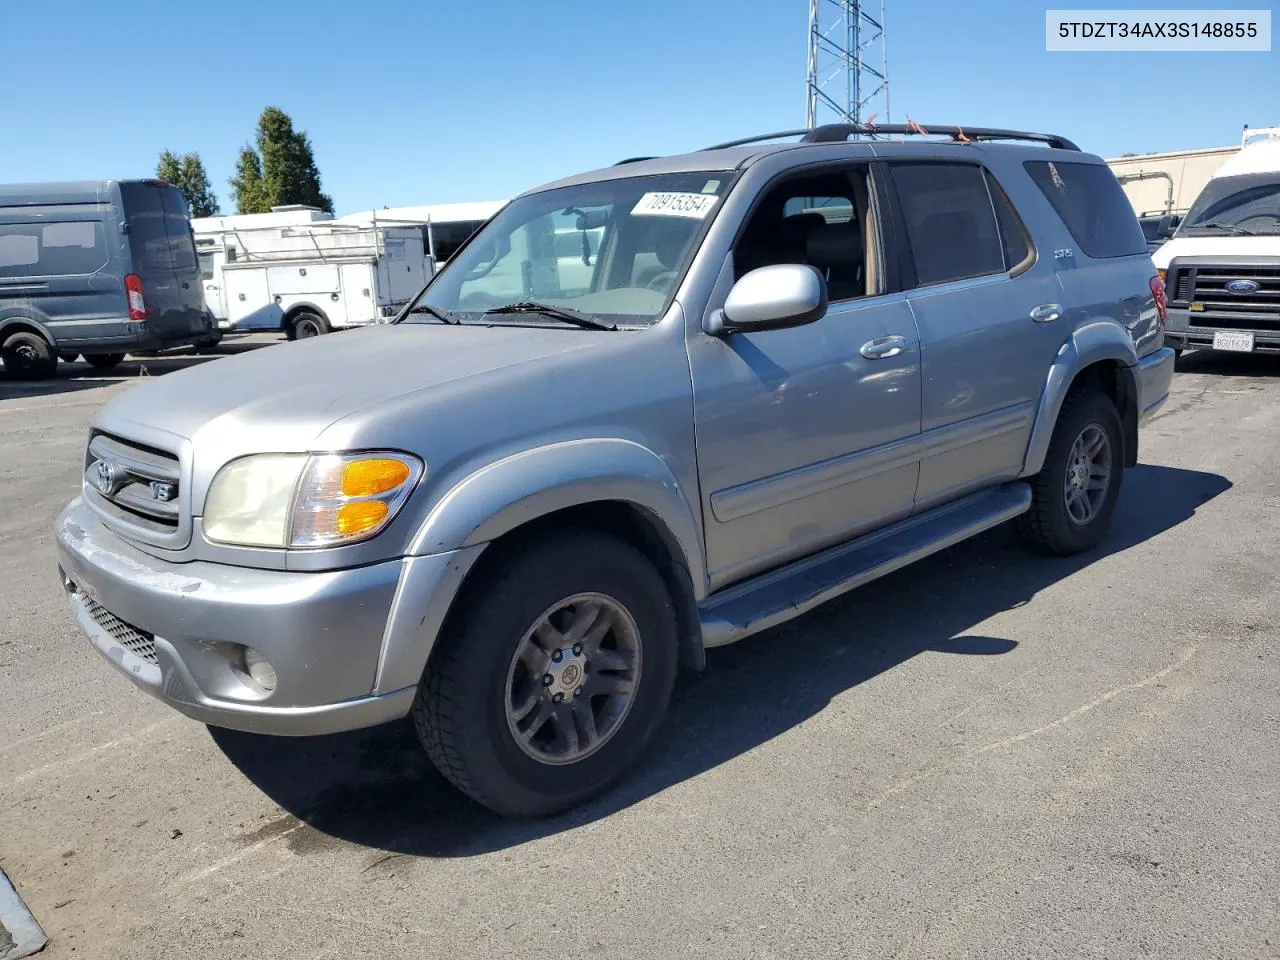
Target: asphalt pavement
{"type": "Point", "coordinates": [989, 754]}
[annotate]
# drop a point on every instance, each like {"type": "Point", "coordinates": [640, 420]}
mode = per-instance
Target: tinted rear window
{"type": "Point", "coordinates": [951, 225]}
{"type": "Point", "coordinates": [69, 248]}
{"type": "Point", "coordinates": [1092, 204]}
{"type": "Point", "coordinates": [159, 231]}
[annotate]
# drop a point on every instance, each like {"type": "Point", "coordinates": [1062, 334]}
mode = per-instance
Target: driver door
{"type": "Point", "coordinates": [805, 434]}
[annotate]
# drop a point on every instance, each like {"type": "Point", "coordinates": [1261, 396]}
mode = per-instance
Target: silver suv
{"type": "Point", "coordinates": [644, 411]}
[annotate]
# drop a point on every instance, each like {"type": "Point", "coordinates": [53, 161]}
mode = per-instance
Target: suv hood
{"type": "Point", "coordinates": [282, 397]}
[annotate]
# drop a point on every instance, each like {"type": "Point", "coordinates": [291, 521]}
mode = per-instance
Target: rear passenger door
{"type": "Point", "coordinates": [988, 308]}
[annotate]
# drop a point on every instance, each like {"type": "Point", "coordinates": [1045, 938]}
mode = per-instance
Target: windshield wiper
{"type": "Point", "coordinates": [1229, 227]}
{"type": "Point", "coordinates": [433, 312]}
{"type": "Point", "coordinates": [563, 314]}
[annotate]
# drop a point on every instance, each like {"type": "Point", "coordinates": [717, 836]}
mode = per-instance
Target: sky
{"type": "Point", "coordinates": [433, 102]}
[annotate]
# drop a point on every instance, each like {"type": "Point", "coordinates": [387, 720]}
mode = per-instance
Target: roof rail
{"type": "Point", "coordinates": [839, 132]}
{"type": "Point", "coordinates": [633, 160]}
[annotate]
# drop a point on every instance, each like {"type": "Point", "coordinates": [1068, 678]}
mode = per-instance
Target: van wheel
{"type": "Point", "coordinates": [28, 356]}
{"type": "Point", "coordinates": [553, 676]}
{"type": "Point", "coordinates": [1075, 492]}
{"type": "Point", "coordinates": [104, 361]}
{"type": "Point", "coordinates": [68, 357]}
{"type": "Point", "coordinates": [307, 325]}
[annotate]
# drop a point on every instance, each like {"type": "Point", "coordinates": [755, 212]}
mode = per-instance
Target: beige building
{"type": "Point", "coordinates": [1170, 181]}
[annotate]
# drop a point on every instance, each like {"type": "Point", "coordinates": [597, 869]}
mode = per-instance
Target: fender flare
{"type": "Point", "coordinates": [1092, 343]}
{"type": "Point", "coordinates": [26, 320]}
{"type": "Point", "coordinates": [511, 492]}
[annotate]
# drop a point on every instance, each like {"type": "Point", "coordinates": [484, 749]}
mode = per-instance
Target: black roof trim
{"type": "Point", "coordinates": [839, 132]}
{"type": "Point", "coordinates": [633, 160]}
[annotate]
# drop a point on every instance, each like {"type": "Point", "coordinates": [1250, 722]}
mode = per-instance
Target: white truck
{"type": "Point", "coordinates": [308, 278]}
{"type": "Point", "coordinates": [445, 226]}
{"type": "Point", "coordinates": [1222, 266]}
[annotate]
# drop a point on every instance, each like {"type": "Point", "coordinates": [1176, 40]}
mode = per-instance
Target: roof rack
{"type": "Point", "coordinates": [839, 132]}
{"type": "Point", "coordinates": [633, 160]}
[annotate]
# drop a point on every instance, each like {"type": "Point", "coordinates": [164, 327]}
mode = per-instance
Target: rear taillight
{"type": "Point", "coordinates": [133, 289]}
{"type": "Point", "coordinates": [1161, 299]}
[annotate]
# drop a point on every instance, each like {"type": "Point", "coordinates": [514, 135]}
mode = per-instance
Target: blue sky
{"type": "Point", "coordinates": [426, 101]}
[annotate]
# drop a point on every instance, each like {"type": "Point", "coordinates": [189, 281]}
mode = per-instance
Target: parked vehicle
{"type": "Point", "coordinates": [445, 226]}
{"type": "Point", "coordinates": [1159, 229]}
{"type": "Point", "coordinates": [215, 239]}
{"type": "Point", "coordinates": [312, 278]}
{"type": "Point", "coordinates": [99, 269]}
{"type": "Point", "coordinates": [1223, 264]}
{"type": "Point", "coordinates": [516, 512]}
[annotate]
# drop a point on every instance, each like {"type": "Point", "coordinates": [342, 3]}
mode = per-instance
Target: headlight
{"type": "Point", "coordinates": [295, 500]}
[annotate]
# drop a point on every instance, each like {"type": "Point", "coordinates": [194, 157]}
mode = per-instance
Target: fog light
{"type": "Point", "coordinates": [258, 667]}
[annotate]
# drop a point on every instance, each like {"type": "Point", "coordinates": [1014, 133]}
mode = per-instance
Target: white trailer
{"type": "Point", "coordinates": [314, 277]}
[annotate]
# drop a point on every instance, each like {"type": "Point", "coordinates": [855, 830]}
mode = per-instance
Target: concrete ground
{"type": "Point", "coordinates": [987, 755]}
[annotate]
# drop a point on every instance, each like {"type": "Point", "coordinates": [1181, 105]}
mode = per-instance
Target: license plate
{"type": "Point", "coordinates": [1242, 342]}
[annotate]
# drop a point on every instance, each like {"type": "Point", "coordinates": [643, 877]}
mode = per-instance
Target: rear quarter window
{"type": "Point", "coordinates": [64, 249]}
{"type": "Point", "coordinates": [1092, 204]}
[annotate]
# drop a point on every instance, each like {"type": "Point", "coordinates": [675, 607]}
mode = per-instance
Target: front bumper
{"type": "Point", "coordinates": [1154, 378]}
{"type": "Point", "coordinates": [347, 646]}
{"type": "Point", "coordinates": [1184, 334]}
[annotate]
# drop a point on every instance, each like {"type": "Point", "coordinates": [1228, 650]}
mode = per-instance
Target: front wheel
{"type": "Point", "coordinates": [553, 677]}
{"type": "Point", "coordinates": [1075, 492]}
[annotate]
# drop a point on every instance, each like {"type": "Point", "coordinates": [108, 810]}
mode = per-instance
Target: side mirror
{"type": "Point", "coordinates": [773, 298]}
{"type": "Point", "coordinates": [1167, 226]}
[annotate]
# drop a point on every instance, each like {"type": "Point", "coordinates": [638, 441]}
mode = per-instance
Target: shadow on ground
{"type": "Point", "coordinates": [79, 376]}
{"type": "Point", "coordinates": [376, 788]}
{"type": "Point", "coordinates": [1223, 364]}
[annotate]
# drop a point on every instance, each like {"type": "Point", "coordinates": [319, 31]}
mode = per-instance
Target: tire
{"type": "Point", "coordinates": [1052, 525]}
{"type": "Point", "coordinates": [28, 356]}
{"type": "Point", "coordinates": [466, 712]}
{"type": "Point", "coordinates": [306, 325]}
{"type": "Point", "coordinates": [68, 357]}
{"type": "Point", "coordinates": [104, 361]}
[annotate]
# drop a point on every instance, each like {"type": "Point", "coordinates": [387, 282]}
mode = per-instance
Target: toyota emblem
{"type": "Point", "coordinates": [104, 477]}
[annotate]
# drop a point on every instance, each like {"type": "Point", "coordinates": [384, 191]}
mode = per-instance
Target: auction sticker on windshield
{"type": "Point", "coordinates": [694, 205]}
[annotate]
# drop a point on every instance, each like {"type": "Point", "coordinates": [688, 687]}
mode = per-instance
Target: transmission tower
{"type": "Point", "coordinates": [848, 63]}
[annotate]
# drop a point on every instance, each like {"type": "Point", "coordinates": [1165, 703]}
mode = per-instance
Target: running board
{"type": "Point", "coordinates": [779, 595]}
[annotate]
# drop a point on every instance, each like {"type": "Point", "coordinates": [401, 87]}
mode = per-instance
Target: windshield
{"type": "Point", "coordinates": [1245, 204]}
{"type": "Point", "coordinates": [613, 250]}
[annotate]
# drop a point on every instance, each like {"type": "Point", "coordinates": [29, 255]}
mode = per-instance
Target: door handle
{"type": "Point", "coordinates": [882, 348]}
{"type": "Point", "coordinates": [1046, 312]}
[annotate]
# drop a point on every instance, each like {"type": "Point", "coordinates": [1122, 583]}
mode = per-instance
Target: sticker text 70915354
{"type": "Point", "coordinates": [693, 205]}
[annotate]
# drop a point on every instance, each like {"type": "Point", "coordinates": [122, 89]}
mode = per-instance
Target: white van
{"type": "Point", "coordinates": [1222, 266]}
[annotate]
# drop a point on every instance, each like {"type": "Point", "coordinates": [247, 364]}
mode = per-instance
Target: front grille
{"type": "Point", "coordinates": [138, 642]}
{"type": "Point", "coordinates": [136, 484]}
{"type": "Point", "coordinates": [1209, 285]}
{"type": "Point", "coordinates": [1183, 286]}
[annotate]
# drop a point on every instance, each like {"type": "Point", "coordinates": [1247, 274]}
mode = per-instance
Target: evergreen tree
{"type": "Point", "coordinates": [281, 170]}
{"type": "Point", "coordinates": [247, 185]}
{"type": "Point", "coordinates": [187, 173]}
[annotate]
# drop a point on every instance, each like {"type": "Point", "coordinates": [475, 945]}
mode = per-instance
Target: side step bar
{"type": "Point", "coordinates": [779, 595]}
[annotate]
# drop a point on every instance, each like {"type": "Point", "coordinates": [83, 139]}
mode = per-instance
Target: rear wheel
{"type": "Point", "coordinates": [28, 356]}
{"type": "Point", "coordinates": [104, 361]}
{"type": "Point", "coordinates": [67, 357]}
{"type": "Point", "coordinates": [307, 325]}
{"type": "Point", "coordinates": [1074, 494]}
{"type": "Point", "coordinates": [554, 676]}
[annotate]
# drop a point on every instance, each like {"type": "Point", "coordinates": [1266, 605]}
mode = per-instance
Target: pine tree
{"type": "Point", "coordinates": [187, 173]}
{"type": "Point", "coordinates": [282, 170]}
{"type": "Point", "coordinates": [247, 185]}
